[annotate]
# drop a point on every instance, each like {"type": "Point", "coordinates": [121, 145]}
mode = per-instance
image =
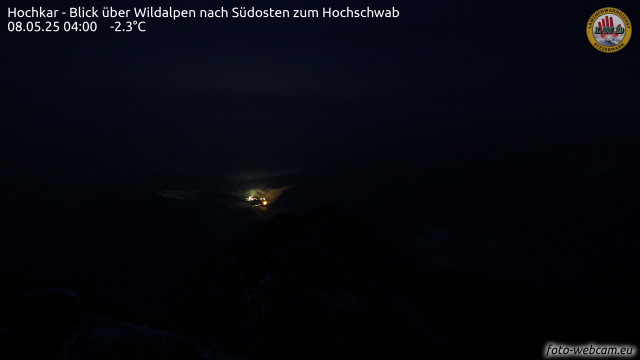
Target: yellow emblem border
{"type": "Point", "coordinates": [591, 23]}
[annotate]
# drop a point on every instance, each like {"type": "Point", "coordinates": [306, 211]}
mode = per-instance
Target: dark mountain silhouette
{"type": "Point", "coordinates": [164, 276]}
{"type": "Point", "coordinates": [319, 285]}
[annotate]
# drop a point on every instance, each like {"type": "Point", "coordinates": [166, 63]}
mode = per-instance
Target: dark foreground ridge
{"type": "Point", "coordinates": [196, 280]}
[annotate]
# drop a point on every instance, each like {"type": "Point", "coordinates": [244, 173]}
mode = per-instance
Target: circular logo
{"type": "Point", "coordinates": [609, 30]}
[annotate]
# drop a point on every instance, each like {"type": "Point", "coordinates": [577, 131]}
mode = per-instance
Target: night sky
{"type": "Point", "coordinates": [270, 94]}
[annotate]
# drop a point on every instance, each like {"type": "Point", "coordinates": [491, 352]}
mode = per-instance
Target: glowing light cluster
{"type": "Point", "coordinates": [257, 201]}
